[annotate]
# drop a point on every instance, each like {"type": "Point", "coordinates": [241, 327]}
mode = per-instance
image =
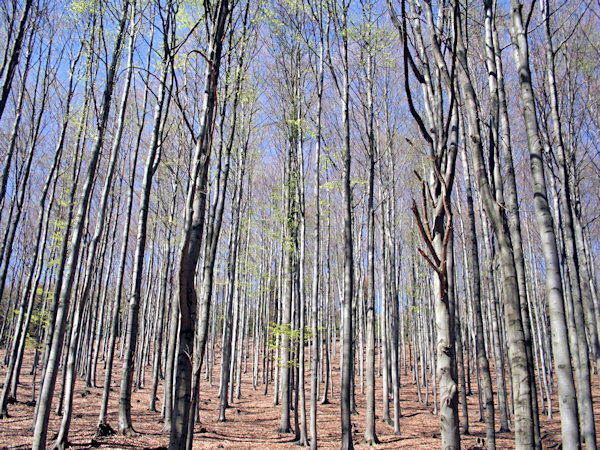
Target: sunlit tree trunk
{"type": "Point", "coordinates": [47, 390]}
{"type": "Point", "coordinates": [544, 219]}
{"type": "Point", "coordinates": [152, 160]}
{"type": "Point", "coordinates": [192, 235]}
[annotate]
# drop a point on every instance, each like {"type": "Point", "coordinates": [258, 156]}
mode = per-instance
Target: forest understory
{"type": "Point", "coordinates": [252, 420]}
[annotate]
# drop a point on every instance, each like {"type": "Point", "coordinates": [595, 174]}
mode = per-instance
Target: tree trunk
{"type": "Point", "coordinates": [191, 242]}
{"type": "Point", "coordinates": [152, 160]}
{"type": "Point", "coordinates": [483, 362]}
{"type": "Point", "coordinates": [47, 390]}
{"type": "Point", "coordinates": [567, 399]}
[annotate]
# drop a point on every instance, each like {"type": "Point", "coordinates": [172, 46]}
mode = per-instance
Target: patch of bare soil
{"type": "Point", "coordinates": [252, 420]}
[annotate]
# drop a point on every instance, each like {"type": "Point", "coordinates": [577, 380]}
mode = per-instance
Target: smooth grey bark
{"type": "Point", "coordinates": [460, 365]}
{"type": "Point", "coordinates": [326, 320]}
{"type": "Point", "coordinates": [192, 235]}
{"type": "Point", "coordinates": [496, 339]}
{"type": "Point", "coordinates": [233, 291]}
{"type": "Point", "coordinates": [170, 363]}
{"type": "Point", "coordinates": [384, 326]}
{"type": "Point", "coordinates": [316, 301]}
{"type": "Point", "coordinates": [165, 299]}
{"type": "Point", "coordinates": [348, 272]}
{"type": "Point", "coordinates": [370, 437]}
{"type": "Point", "coordinates": [291, 245]}
{"type": "Point", "coordinates": [392, 278]}
{"type": "Point", "coordinates": [11, 151]}
{"type": "Point", "coordinates": [480, 350]}
{"type": "Point", "coordinates": [289, 250]}
{"type": "Point", "coordinates": [301, 430]}
{"type": "Point", "coordinates": [573, 268]}
{"type": "Point", "coordinates": [90, 277]}
{"type": "Point", "coordinates": [545, 225]}
{"type": "Point", "coordinates": [23, 181]}
{"type": "Point", "coordinates": [216, 216]}
{"type": "Point", "coordinates": [102, 307]}
{"type": "Point", "coordinates": [510, 196]}
{"type": "Point", "coordinates": [92, 256]}
{"type": "Point", "coordinates": [521, 379]}
{"type": "Point", "coordinates": [47, 390]}
{"type": "Point", "coordinates": [103, 426]}
{"type": "Point", "coordinates": [587, 283]}
{"type": "Point", "coordinates": [66, 232]}
{"type": "Point", "coordinates": [441, 134]}
{"type": "Point", "coordinates": [152, 160]}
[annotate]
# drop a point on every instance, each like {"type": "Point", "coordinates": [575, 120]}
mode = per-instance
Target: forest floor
{"type": "Point", "coordinates": [253, 419]}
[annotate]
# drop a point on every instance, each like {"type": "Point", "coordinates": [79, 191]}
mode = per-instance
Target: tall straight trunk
{"type": "Point", "coordinates": [572, 256]}
{"type": "Point", "coordinates": [482, 358]}
{"type": "Point", "coordinates": [62, 440]}
{"type": "Point", "coordinates": [455, 307]}
{"type": "Point", "coordinates": [23, 181]}
{"type": "Point", "coordinates": [76, 325]}
{"type": "Point", "coordinates": [385, 324]}
{"type": "Point", "coordinates": [587, 284]}
{"type": "Point", "coordinates": [370, 429]}
{"type": "Point", "coordinates": [47, 390]}
{"type": "Point", "coordinates": [11, 151]}
{"type": "Point", "coordinates": [496, 339]}
{"type": "Point", "coordinates": [280, 296]}
{"type": "Point", "coordinates": [326, 318]}
{"type": "Point", "coordinates": [301, 389]}
{"type": "Point", "coordinates": [20, 332]}
{"type": "Point", "coordinates": [348, 258]}
{"type": "Point", "coordinates": [100, 329]}
{"type": "Point", "coordinates": [192, 236]}
{"type": "Point", "coordinates": [393, 290]}
{"type": "Point", "coordinates": [492, 198]}
{"type": "Point", "coordinates": [233, 292]}
{"type": "Point", "coordinates": [66, 232]}
{"type": "Point", "coordinates": [162, 305]}
{"type": "Point", "coordinates": [316, 299]}
{"type": "Point", "coordinates": [567, 397]}
{"type": "Point", "coordinates": [152, 160]}
{"type": "Point", "coordinates": [441, 134]}
{"type": "Point", "coordinates": [287, 290]}
{"type": "Point", "coordinates": [103, 426]}
{"type": "Point", "coordinates": [216, 216]}
{"type": "Point", "coordinates": [170, 363]}
{"type": "Point", "coordinates": [33, 294]}
{"type": "Point", "coordinates": [503, 145]}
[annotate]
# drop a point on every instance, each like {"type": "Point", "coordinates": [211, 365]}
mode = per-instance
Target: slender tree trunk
{"type": "Point", "coordinates": [20, 333]}
{"type": "Point", "coordinates": [9, 67]}
{"type": "Point", "coordinates": [301, 389]}
{"type": "Point", "coordinates": [316, 299]}
{"type": "Point", "coordinates": [518, 356]}
{"type": "Point", "coordinates": [370, 429]}
{"type": "Point", "coordinates": [483, 362]}
{"type": "Point", "coordinates": [346, 310]}
{"type": "Point", "coordinates": [162, 305]}
{"type": "Point", "coordinates": [567, 398]}
{"type": "Point", "coordinates": [191, 242]}
{"type": "Point", "coordinates": [152, 160]}
{"type": "Point", "coordinates": [233, 293]}
{"type": "Point", "coordinates": [572, 257]}
{"type": "Point", "coordinates": [47, 390]}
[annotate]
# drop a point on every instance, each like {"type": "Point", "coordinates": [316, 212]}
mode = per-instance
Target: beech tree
{"type": "Point", "coordinates": [47, 390]}
{"type": "Point", "coordinates": [191, 242]}
{"type": "Point", "coordinates": [357, 257]}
